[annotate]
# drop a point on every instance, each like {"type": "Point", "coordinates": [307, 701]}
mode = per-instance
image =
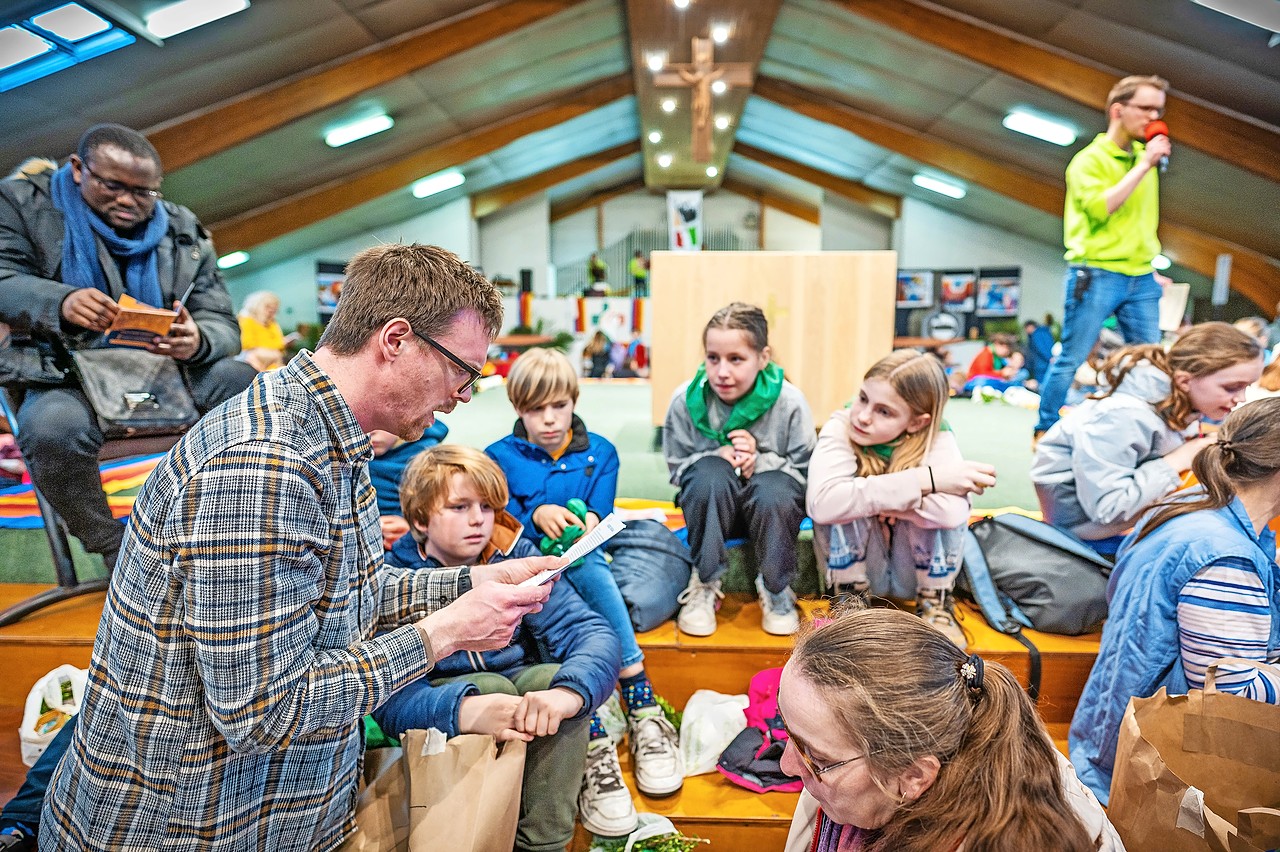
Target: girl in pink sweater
{"type": "Point", "coordinates": [888, 490]}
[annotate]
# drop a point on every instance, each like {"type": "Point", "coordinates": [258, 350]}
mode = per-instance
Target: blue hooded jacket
{"type": "Point", "coordinates": [385, 470]}
{"type": "Point", "coordinates": [588, 470]}
{"type": "Point", "coordinates": [1140, 650]}
{"type": "Point", "coordinates": [565, 631]}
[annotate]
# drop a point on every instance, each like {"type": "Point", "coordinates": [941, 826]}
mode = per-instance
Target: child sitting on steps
{"type": "Point", "coordinates": [562, 662]}
{"type": "Point", "coordinates": [549, 460]}
{"type": "Point", "coordinates": [889, 490]}
{"type": "Point", "coordinates": [737, 440]}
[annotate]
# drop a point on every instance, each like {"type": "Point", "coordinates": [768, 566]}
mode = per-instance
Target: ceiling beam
{"type": "Point", "coordinates": [564, 209]}
{"type": "Point", "coordinates": [286, 215]}
{"type": "Point", "coordinates": [1214, 131]}
{"type": "Point", "coordinates": [1252, 274]}
{"type": "Point", "coordinates": [493, 200]}
{"type": "Point", "coordinates": [217, 128]}
{"type": "Point", "coordinates": [799, 209]}
{"type": "Point", "coordinates": [884, 203]}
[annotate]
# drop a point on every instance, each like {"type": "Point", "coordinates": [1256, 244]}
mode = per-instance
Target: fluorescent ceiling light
{"type": "Point", "coordinates": [438, 182]}
{"type": "Point", "coordinates": [681, 4]}
{"type": "Point", "coordinates": [17, 46]}
{"type": "Point", "coordinates": [712, 171]}
{"type": "Point", "coordinates": [669, 105]}
{"type": "Point", "coordinates": [234, 259]}
{"type": "Point", "coordinates": [664, 160]}
{"type": "Point", "coordinates": [72, 22]}
{"type": "Point", "coordinates": [1260, 13]}
{"type": "Point", "coordinates": [1161, 262]}
{"type": "Point", "coordinates": [656, 61]}
{"type": "Point", "coordinates": [1041, 128]}
{"type": "Point", "coordinates": [719, 87]}
{"type": "Point", "coordinates": [722, 122]}
{"type": "Point", "coordinates": [655, 137]}
{"type": "Point", "coordinates": [189, 14]}
{"type": "Point", "coordinates": [340, 136]}
{"type": "Point", "coordinates": [720, 33]}
{"type": "Point", "coordinates": [941, 187]}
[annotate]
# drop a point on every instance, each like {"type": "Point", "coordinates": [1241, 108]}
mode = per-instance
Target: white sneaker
{"type": "Point", "coordinates": [655, 752]}
{"type": "Point", "coordinates": [698, 604]}
{"type": "Point", "coordinates": [604, 805]}
{"type": "Point", "coordinates": [936, 609]}
{"type": "Point", "coordinates": [777, 612]}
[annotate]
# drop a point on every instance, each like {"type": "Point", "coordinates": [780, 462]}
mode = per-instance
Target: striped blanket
{"type": "Point", "coordinates": [120, 480]}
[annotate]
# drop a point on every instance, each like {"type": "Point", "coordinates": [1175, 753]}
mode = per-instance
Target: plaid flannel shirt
{"type": "Point", "coordinates": [238, 649]}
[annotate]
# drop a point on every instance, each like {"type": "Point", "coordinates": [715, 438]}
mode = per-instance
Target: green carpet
{"type": "Point", "coordinates": [993, 432]}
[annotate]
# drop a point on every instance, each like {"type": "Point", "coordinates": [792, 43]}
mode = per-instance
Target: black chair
{"type": "Point", "coordinates": [69, 583]}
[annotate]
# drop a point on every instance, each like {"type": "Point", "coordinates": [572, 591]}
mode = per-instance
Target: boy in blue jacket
{"type": "Point", "coordinates": [561, 664]}
{"type": "Point", "coordinates": [550, 459]}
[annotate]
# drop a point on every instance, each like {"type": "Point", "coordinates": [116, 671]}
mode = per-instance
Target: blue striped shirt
{"type": "Point", "coordinates": [237, 650]}
{"type": "Point", "coordinates": [1223, 611]}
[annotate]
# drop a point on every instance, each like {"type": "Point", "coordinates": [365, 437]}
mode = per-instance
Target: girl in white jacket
{"type": "Point", "coordinates": [888, 490]}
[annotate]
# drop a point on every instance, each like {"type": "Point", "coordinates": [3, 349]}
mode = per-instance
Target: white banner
{"type": "Point", "coordinates": [684, 219]}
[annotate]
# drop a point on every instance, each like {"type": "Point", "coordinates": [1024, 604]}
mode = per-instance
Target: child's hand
{"type": "Point", "coordinates": [552, 519]}
{"type": "Point", "coordinates": [491, 714]}
{"type": "Point", "coordinates": [591, 522]}
{"type": "Point", "coordinates": [743, 441]}
{"type": "Point", "coordinates": [961, 478]}
{"type": "Point", "coordinates": [540, 713]}
{"type": "Point", "coordinates": [393, 528]}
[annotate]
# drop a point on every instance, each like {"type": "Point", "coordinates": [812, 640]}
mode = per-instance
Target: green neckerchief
{"type": "Point", "coordinates": [745, 411]}
{"type": "Point", "coordinates": [996, 361]}
{"type": "Point", "coordinates": [885, 451]}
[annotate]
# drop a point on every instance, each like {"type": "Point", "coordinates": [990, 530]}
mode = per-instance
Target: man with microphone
{"type": "Point", "coordinates": [1109, 228]}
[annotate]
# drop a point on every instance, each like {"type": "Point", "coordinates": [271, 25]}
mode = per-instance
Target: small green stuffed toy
{"type": "Point", "coordinates": [557, 546]}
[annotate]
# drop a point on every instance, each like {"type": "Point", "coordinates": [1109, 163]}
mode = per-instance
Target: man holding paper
{"type": "Point", "coordinates": [73, 242]}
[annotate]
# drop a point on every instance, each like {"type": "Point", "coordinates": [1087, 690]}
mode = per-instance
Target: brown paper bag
{"type": "Point", "coordinates": [382, 809]}
{"type": "Point", "coordinates": [464, 793]}
{"type": "Point", "coordinates": [1198, 772]}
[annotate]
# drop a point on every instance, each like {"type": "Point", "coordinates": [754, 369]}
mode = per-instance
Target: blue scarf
{"type": "Point", "coordinates": [80, 266]}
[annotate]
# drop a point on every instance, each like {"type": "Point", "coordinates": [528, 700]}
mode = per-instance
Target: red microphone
{"type": "Point", "coordinates": [1154, 129]}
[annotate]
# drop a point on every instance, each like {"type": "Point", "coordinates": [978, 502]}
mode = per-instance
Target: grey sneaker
{"type": "Point", "coordinates": [604, 804]}
{"type": "Point", "coordinates": [778, 614]}
{"type": "Point", "coordinates": [937, 609]}
{"type": "Point", "coordinates": [655, 752]}
{"type": "Point", "coordinates": [698, 604]}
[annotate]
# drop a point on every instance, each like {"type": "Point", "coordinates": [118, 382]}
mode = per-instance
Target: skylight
{"type": "Point", "coordinates": [57, 38]}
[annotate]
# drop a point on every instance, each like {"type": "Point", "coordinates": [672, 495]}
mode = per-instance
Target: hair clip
{"type": "Point", "coordinates": [972, 671]}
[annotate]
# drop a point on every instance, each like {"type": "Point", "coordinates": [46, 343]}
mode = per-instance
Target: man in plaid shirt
{"type": "Point", "coordinates": [240, 644]}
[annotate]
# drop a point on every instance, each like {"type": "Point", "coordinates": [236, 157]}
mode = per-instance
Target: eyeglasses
{"type": "Point", "coordinates": [1150, 109]}
{"type": "Point", "coordinates": [814, 769]}
{"type": "Point", "coordinates": [472, 373]}
{"type": "Point", "coordinates": [117, 188]}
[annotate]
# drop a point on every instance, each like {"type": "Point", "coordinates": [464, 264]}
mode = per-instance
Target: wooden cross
{"type": "Point", "coordinates": [698, 77]}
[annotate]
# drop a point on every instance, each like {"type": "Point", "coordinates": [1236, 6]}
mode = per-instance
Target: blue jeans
{"type": "Point", "coordinates": [1135, 301]}
{"type": "Point", "coordinates": [25, 806]}
{"type": "Point", "coordinates": [594, 582]}
{"type": "Point", "coordinates": [1018, 380]}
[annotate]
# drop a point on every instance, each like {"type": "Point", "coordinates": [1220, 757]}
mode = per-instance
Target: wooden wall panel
{"type": "Point", "coordinates": [830, 315]}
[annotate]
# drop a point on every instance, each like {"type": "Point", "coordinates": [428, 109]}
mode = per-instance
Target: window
{"type": "Point", "coordinates": [52, 40]}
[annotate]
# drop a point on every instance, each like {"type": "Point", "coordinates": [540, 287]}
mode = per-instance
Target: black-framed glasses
{"type": "Point", "coordinates": [117, 188]}
{"type": "Point", "coordinates": [816, 770]}
{"type": "Point", "coordinates": [473, 375]}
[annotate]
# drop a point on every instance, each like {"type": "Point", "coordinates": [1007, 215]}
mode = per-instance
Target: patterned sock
{"type": "Point", "coordinates": [637, 692]}
{"type": "Point", "coordinates": [597, 728]}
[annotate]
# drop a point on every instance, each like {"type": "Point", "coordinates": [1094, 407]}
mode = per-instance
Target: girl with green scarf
{"type": "Point", "coordinates": [737, 440]}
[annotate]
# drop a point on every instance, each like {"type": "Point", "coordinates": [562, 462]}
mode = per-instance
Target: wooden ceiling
{"type": "Point", "coordinates": [848, 97]}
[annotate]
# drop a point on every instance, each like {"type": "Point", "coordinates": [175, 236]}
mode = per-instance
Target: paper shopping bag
{"type": "Point", "coordinates": [382, 809]}
{"type": "Point", "coordinates": [464, 792]}
{"type": "Point", "coordinates": [1198, 772]}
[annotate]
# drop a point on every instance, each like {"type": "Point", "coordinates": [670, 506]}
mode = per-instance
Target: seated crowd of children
{"type": "Point", "coordinates": [888, 491]}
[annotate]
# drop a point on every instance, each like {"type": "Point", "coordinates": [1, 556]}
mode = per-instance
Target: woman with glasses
{"type": "Point", "coordinates": [904, 743]}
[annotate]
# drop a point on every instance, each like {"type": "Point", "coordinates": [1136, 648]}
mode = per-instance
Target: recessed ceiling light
{"type": "Point", "coordinates": [655, 137]}
{"type": "Point", "coordinates": [189, 14]}
{"type": "Point", "coordinates": [17, 46]}
{"type": "Point", "coordinates": [719, 87]}
{"type": "Point", "coordinates": [72, 22]}
{"type": "Point", "coordinates": [712, 171]}
{"type": "Point", "coordinates": [722, 122]}
{"type": "Point", "coordinates": [1039, 127]}
{"type": "Point", "coordinates": [235, 258]}
{"type": "Point", "coordinates": [664, 160]}
{"type": "Point", "coordinates": [669, 105]}
{"type": "Point", "coordinates": [941, 187]}
{"type": "Point", "coordinates": [438, 182]}
{"type": "Point", "coordinates": [354, 130]}
{"type": "Point", "coordinates": [656, 61]}
{"type": "Point", "coordinates": [1161, 262]}
{"type": "Point", "coordinates": [720, 33]}
{"type": "Point", "coordinates": [680, 4]}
